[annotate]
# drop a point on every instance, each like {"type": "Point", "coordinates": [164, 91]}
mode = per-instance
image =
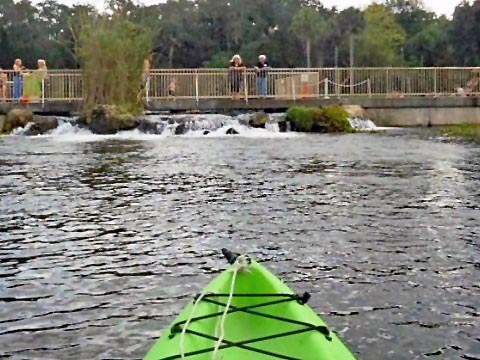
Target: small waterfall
{"type": "Point", "coordinates": [22, 130]}
{"type": "Point", "coordinates": [187, 125]}
{"type": "Point", "coordinates": [362, 124]}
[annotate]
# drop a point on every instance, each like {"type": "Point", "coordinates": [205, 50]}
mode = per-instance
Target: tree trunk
{"type": "Point", "coordinates": [308, 52]}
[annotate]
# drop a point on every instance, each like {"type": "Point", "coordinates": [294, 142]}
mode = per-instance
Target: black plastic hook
{"type": "Point", "coordinates": [230, 256]}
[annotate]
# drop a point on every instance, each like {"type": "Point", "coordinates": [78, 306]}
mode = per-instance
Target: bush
{"type": "Point", "coordinates": [331, 119]}
{"type": "Point", "coordinates": [301, 118]}
{"type": "Point", "coordinates": [336, 119]}
{"type": "Point", "coordinates": [110, 49]}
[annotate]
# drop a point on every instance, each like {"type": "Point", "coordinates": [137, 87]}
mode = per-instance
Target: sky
{"type": "Point", "coordinates": [443, 7]}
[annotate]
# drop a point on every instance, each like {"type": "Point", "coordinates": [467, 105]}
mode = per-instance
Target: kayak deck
{"type": "Point", "coordinates": [263, 320]}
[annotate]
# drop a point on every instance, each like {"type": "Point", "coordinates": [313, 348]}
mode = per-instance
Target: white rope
{"type": "Point", "coordinates": [240, 265]}
{"type": "Point", "coordinates": [348, 86]}
{"type": "Point", "coordinates": [185, 326]}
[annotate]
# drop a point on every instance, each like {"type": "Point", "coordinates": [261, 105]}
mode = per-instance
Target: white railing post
{"type": "Point", "coordinates": [352, 81]}
{"type": "Point", "coordinates": [147, 87]}
{"type": "Point", "coordinates": [43, 92]}
{"type": "Point", "coordinates": [325, 86]}
{"type": "Point", "coordinates": [197, 95]}
{"type": "Point", "coordinates": [435, 89]}
{"type": "Point", "coordinates": [245, 88]}
{"type": "Point", "coordinates": [369, 88]}
{"type": "Point", "coordinates": [293, 89]}
{"type": "Point", "coordinates": [388, 82]}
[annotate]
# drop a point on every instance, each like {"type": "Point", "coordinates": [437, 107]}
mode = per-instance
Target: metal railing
{"type": "Point", "coordinates": [287, 84]}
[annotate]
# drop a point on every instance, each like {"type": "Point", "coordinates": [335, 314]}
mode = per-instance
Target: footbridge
{"type": "Point", "coordinates": [414, 94]}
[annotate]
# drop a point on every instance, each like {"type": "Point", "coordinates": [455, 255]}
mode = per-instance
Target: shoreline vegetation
{"type": "Point", "coordinates": [461, 131]}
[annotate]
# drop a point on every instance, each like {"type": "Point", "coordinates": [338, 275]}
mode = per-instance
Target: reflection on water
{"type": "Point", "coordinates": [102, 242]}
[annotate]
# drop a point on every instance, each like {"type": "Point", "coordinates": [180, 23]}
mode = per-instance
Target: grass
{"type": "Point", "coordinates": [464, 131]}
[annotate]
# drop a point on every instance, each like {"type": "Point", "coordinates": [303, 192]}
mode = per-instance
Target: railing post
{"type": "Point", "coordinates": [147, 87]}
{"type": "Point", "coordinates": [197, 95]}
{"type": "Point", "coordinates": [352, 82]}
{"type": "Point", "coordinates": [369, 88]}
{"type": "Point", "coordinates": [435, 91]}
{"type": "Point", "coordinates": [245, 90]}
{"type": "Point", "coordinates": [337, 81]}
{"type": "Point", "coordinates": [43, 92]}
{"type": "Point", "coordinates": [325, 86]}
{"type": "Point", "coordinates": [293, 88]}
{"type": "Point", "coordinates": [388, 82]}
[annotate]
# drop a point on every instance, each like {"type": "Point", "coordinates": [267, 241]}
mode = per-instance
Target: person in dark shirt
{"type": "Point", "coordinates": [262, 76]}
{"type": "Point", "coordinates": [236, 70]}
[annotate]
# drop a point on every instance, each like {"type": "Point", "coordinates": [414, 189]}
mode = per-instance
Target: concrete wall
{"type": "Point", "coordinates": [424, 116]}
{"type": "Point", "coordinates": [411, 111]}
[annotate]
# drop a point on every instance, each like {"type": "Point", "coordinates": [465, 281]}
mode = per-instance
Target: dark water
{"type": "Point", "coordinates": [103, 241]}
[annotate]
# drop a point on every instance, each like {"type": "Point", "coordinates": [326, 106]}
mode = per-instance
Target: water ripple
{"type": "Point", "coordinates": [102, 241]}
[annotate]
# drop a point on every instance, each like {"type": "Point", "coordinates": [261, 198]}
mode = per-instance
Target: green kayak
{"type": "Point", "coordinates": [246, 313]}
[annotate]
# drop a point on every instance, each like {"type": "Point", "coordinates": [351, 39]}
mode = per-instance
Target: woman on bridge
{"type": "Point", "coordinates": [236, 76]}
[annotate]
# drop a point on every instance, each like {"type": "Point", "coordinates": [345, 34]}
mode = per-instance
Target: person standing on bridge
{"type": "Point", "coordinates": [17, 79]}
{"type": "Point", "coordinates": [3, 85]}
{"type": "Point", "coordinates": [262, 79]}
{"type": "Point", "coordinates": [235, 75]}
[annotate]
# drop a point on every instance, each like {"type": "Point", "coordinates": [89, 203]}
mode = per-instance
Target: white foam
{"type": "Point", "coordinates": [22, 130]}
{"type": "Point", "coordinates": [362, 124]}
{"type": "Point", "coordinates": [244, 131]}
{"type": "Point", "coordinates": [196, 126]}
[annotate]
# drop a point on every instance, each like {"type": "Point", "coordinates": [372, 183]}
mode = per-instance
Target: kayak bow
{"type": "Point", "coordinates": [248, 313]}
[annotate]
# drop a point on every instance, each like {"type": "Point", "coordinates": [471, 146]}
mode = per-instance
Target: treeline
{"type": "Point", "coordinates": [292, 33]}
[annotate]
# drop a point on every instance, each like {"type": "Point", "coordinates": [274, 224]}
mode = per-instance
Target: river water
{"type": "Point", "coordinates": [104, 238]}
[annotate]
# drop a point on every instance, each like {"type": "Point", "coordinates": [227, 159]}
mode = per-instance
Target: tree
{"type": "Point", "coordinates": [382, 40]}
{"type": "Point", "coordinates": [465, 35]}
{"type": "Point", "coordinates": [432, 45]}
{"type": "Point", "coordinates": [308, 26]}
{"type": "Point", "coordinates": [111, 49]}
{"type": "Point", "coordinates": [342, 26]}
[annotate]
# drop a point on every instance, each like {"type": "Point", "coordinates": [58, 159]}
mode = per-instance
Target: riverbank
{"type": "Point", "coordinates": [461, 131]}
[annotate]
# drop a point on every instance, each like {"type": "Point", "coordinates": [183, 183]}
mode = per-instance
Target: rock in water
{"type": "Point", "coordinates": [181, 129]}
{"type": "Point", "coordinates": [283, 126]}
{"type": "Point", "coordinates": [151, 127]}
{"type": "Point", "coordinates": [232, 131]}
{"type": "Point", "coordinates": [42, 125]}
{"type": "Point", "coordinates": [2, 122]}
{"type": "Point", "coordinates": [206, 132]}
{"type": "Point", "coordinates": [355, 111]}
{"type": "Point", "coordinates": [106, 119]}
{"type": "Point", "coordinates": [259, 120]}
{"type": "Point", "coordinates": [17, 118]}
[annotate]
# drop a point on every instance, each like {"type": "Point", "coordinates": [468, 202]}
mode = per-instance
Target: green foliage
{"type": "Point", "coordinates": [336, 119]}
{"type": "Point", "coordinates": [218, 61]}
{"type": "Point", "coordinates": [309, 26]}
{"type": "Point", "coordinates": [111, 49]}
{"type": "Point", "coordinates": [465, 34]}
{"type": "Point", "coordinates": [382, 40]}
{"type": "Point", "coordinates": [301, 117]}
{"type": "Point", "coordinates": [330, 119]}
{"type": "Point", "coordinates": [196, 33]}
{"type": "Point", "coordinates": [463, 131]}
{"type": "Point", "coordinates": [431, 47]}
